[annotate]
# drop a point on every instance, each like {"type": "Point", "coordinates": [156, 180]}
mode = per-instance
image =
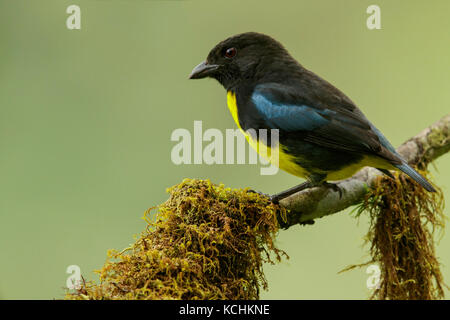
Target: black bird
{"type": "Point", "coordinates": [323, 136]}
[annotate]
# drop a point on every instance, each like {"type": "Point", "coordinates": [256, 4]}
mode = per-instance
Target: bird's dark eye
{"type": "Point", "coordinates": [230, 53]}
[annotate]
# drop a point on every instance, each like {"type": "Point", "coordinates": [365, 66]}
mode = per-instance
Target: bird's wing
{"type": "Point", "coordinates": [332, 122]}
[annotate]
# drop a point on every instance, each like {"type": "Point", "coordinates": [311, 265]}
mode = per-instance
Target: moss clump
{"type": "Point", "coordinates": [205, 242]}
{"type": "Point", "coordinates": [404, 218]}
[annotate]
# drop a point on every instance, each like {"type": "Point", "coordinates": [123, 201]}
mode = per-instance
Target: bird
{"type": "Point", "coordinates": [323, 136]}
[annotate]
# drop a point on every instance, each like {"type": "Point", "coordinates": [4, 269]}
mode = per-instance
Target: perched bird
{"type": "Point", "coordinates": [323, 136]}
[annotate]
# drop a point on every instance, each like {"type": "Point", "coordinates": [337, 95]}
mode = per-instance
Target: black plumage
{"type": "Point", "coordinates": [319, 126]}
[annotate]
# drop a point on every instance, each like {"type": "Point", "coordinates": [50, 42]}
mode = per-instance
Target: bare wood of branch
{"type": "Point", "coordinates": [318, 202]}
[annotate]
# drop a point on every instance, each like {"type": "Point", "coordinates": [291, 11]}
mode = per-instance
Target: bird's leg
{"type": "Point", "coordinates": [286, 193]}
{"type": "Point", "coordinates": [316, 180]}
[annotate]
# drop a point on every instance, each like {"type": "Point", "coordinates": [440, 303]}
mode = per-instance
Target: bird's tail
{"type": "Point", "coordinates": [416, 176]}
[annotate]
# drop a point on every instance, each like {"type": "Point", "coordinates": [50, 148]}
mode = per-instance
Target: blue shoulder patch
{"type": "Point", "coordinates": [289, 117]}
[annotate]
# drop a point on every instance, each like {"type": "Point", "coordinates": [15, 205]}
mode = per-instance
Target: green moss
{"type": "Point", "coordinates": [205, 242]}
{"type": "Point", "coordinates": [404, 218]}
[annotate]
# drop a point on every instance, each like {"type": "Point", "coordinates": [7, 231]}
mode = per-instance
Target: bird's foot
{"type": "Point", "coordinates": [335, 188]}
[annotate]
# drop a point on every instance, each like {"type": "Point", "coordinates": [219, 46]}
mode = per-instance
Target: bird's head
{"type": "Point", "coordinates": [248, 56]}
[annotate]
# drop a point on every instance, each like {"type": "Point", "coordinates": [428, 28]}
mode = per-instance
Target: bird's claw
{"type": "Point", "coordinates": [335, 188]}
{"type": "Point", "coordinates": [272, 199]}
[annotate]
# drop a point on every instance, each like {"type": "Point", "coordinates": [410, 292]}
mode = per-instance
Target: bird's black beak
{"type": "Point", "coordinates": [203, 70]}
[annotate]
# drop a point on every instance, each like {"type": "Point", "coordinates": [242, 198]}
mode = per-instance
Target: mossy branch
{"type": "Point", "coordinates": [210, 242]}
{"type": "Point", "coordinates": [310, 204]}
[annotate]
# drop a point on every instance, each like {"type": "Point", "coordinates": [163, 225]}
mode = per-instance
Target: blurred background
{"type": "Point", "coordinates": [86, 118]}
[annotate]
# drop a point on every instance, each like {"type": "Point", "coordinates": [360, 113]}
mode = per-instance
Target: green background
{"type": "Point", "coordinates": [86, 117]}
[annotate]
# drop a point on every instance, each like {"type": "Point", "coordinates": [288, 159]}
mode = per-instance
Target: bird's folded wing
{"type": "Point", "coordinates": [340, 126]}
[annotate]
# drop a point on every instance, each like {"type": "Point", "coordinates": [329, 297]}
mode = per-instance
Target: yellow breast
{"type": "Point", "coordinates": [285, 161]}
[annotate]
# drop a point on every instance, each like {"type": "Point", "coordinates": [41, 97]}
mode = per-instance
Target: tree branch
{"type": "Point", "coordinates": [318, 202]}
